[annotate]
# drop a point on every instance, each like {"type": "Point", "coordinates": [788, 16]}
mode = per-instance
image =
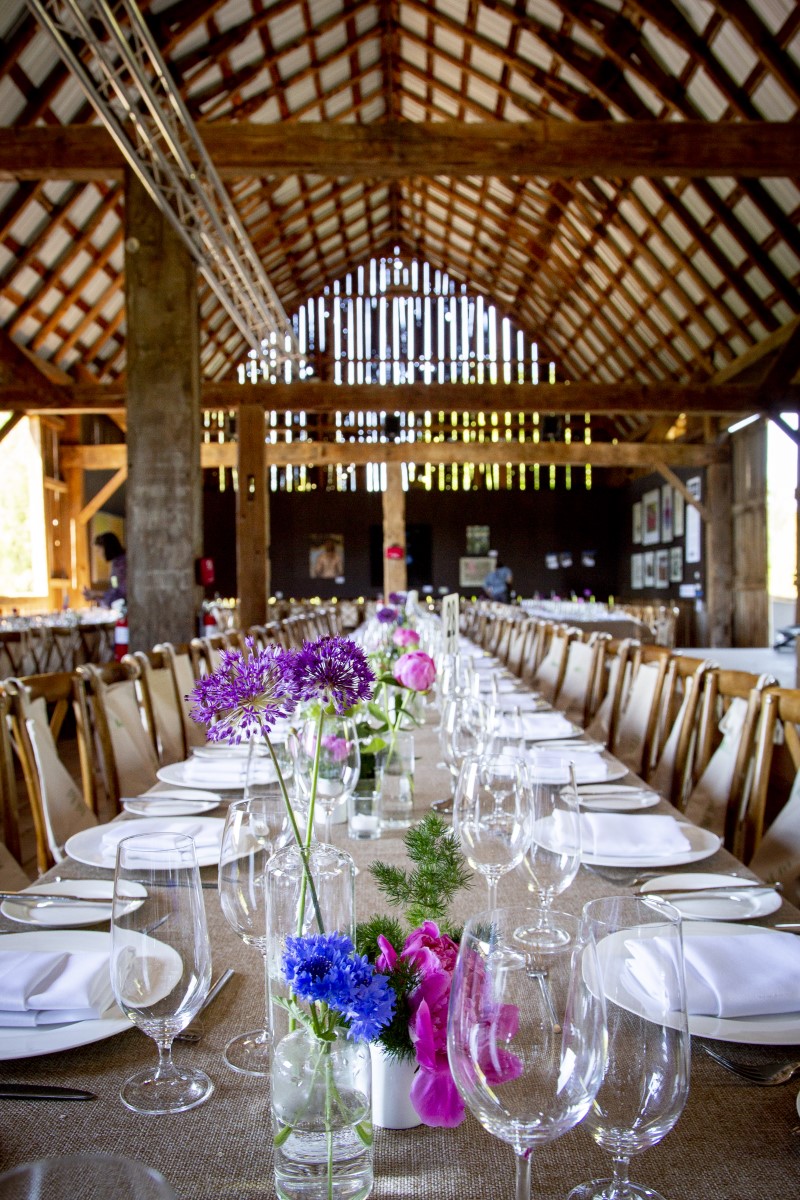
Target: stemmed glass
{"type": "Point", "coordinates": [526, 1032]}
{"type": "Point", "coordinates": [160, 962]}
{"type": "Point", "coordinates": [253, 830]}
{"type": "Point", "coordinates": [554, 852]}
{"type": "Point", "coordinates": [337, 763]}
{"type": "Point", "coordinates": [463, 731]}
{"type": "Point", "coordinates": [646, 1083]}
{"type": "Point", "coordinates": [491, 815]}
{"type": "Point", "coordinates": [454, 677]}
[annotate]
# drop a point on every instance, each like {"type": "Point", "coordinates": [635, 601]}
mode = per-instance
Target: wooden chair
{"type": "Point", "coordinates": [549, 675]}
{"type": "Point", "coordinates": [578, 684]}
{"type": "Point", "coordinates": [180, 660]}
{"type": "Point", "coordinates": [518, 643]}
{"type": "Point", "coordinates": [163, 703]}
{"type": "Point", "coordinates": [125, 746]}
{"type": "Point", "coordinates": [718, 800]}
{"type": "Point", "coordinates": [771, 826]}
{"type": "Point", "coordinates": [8, 782]}
{"type": "Point", "coordinates": [59, 808]}
{"type": "Point", "coordinates": [682, 693]}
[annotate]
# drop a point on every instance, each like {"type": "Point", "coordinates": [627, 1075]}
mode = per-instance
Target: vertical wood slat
{"type": "Point", "coordinates": [164, 511]}
{"type": "Point", "coordinates": [80, 574]}
{"type": "Point", "coordinates": [252, 519]}
{"type": "Point", "coordinates": [749, 508]}
{"type": "Point", "coordinates": [394, 530]}
{"type": "Point", "coordinates": [719, 555]}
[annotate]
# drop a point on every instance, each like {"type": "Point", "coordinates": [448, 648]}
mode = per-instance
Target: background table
{"type": "Point", "coordinates": [733, 1142]}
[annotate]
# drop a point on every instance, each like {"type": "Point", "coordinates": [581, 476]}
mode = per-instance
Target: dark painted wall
{"type": "Point", "coordinates": [524, 527]}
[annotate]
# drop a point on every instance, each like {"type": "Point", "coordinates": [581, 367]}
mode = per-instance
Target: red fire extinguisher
{"type": "Point", "coordinates": [209, 624]}
{"type": "Point", "coordinates": [121, 637]}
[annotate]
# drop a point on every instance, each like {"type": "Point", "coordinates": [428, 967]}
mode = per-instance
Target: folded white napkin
{"type": "Point", "coordinates": [215, 771]}
{"type": "Point", "coordinates": [536, 725]}
{"type": "Point", "coordinates": [753, 974]}
{"type": "Point", "coordinates": [547, 766]}
{"type": "Point", "coordinates": [207, 835]}
{"type": "Point", "coordinates": [48, 988]}
{"type": "Point", "coordinates": [619, 835]}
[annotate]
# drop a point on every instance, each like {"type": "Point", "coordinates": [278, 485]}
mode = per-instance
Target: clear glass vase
{"type": "Point", "coordinates": [308, 891]}
{"type": "Point", "coordinates": [321, 1110]}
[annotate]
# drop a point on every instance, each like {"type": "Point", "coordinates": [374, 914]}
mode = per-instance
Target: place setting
{"type": "Point", "coordinates": [97, 846]}
{"type": "Point", "coordinates": [177, 802]}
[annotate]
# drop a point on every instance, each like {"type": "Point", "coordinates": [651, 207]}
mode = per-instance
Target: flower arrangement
{"type": "Point", "coordinates": [418, 958]}
{"type": "Point", "coordinates": [343, 989]}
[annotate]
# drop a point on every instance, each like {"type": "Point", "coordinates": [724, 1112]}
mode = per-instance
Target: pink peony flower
{"type": "Point", "coordinates": [415, 670]}
{"type": "Point", "coordinates": [433, 1092]}
{"type": "Point", "coordinates": [405, 637]}
{"type": "Point", "coordinates": [337, 747]}
{"type": "Point", "coordinates": [430, 950]}
{"type": "Point", "coordinates": [385, 962]}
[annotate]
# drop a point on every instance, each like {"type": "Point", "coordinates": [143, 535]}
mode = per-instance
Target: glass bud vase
{"type": "Point", "coordinates": [308, 891]}
{"type": "Point", "coordinates": [321, 1110]}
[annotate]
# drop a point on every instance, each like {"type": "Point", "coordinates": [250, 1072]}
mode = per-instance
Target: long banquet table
{"type": "Point", "coordinates": [734, 1141]}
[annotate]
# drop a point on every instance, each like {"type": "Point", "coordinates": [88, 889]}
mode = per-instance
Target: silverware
{"type": "Point", "coordinates": [194, 1030]}
{"type": "Point", "coordinates": [769, 1074]}
{"type": "Point", "coordinates": [41, 1091]}
{"type": "Point", "coordinates": [734, 890]}
{"type": "Point", "coordinates": [45, 899]}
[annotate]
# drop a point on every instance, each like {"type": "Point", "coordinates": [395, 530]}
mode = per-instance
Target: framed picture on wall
{"type": "Point", "coordinates": [636, 571]}
{"type": "Point", "coordinates": [649, 557]}
{"type": "Point", "coordinates": [326, 556]}
{"type": "Point", "coordinates": [473, 569]}
{"type": "Point", "coordinates": [651, 525]}
{"type": "Point", "coordinates": [666, 512]}
{"type": "Point", "coordinates": [637, 523]}
{"type": "Point", "coordinates": [676, 564]}
{"type": "Point", "coordinates": [662, 568]}
{"type": "Point", "coordinates": [678, 504]}
{"type": "Point", "coordinates": [694, 529]}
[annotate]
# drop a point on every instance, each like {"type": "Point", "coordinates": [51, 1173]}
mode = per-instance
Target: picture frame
{"type": "Point", "coordinates": [676, 564]}
{"type": "Point", "coordinates": [678, 505]}
{"type": "Point", "coordinates": [651, 524]}
{"type": "Point", "coordinates": [478, 543]}
{"type": "Point", "coordinates": [662, 568]}
{"type": "Point", "coordinates": [666, 512]}
{"type": "Point", "coordinates": [649, 568]}
{"type": "Point", "coordinates": [326, 556]}
{"type": "Point", "coordinates": [473, 569]}
{"type": "Point", "coordinates": [637, 572]}
{"type": "Point", "coordinates": [636, 533]}
{"type": "Point", "coordinates": [694, 530]}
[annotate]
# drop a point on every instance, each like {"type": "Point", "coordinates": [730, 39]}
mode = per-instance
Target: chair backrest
{"type": "Point", "coordinates": [180, 660]}
{"type": "Point", "coordinates": [578, 682]}
{"type": "Point", "coordinates": [59, 807]}
{"type": "Point", "coordinates": [163, 704]}
{"type": "Point", "coordinates": [518, 641]}
{"type": "Point", "coordinates": [683, 686]}
{"type": "Point", "coordinates": [550, 672]}
{"type": "Point", "coordinates": [9, 809]}
{"type": "Point", "coordinates": [771, 834]}
{"type": "Point", "coordinates": [719, 799]}
{"type": "Point", "coordinates": [126, 747]}
{"type": "Point", "coordinates": [637, 724]}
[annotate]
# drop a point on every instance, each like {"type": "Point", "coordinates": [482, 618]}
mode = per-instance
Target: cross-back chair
{"type": "Point", "coordinates": [163, 703]}
{"type": "Point", "coordinates": [635, 732]}
{"type": "Point", "coordinates": [125, 744]}
{"type": "Point", "coordinates": [579, 681]}
{"type": "Point", "coordinates": [677, 732]}
{"type": "Point", "coordinates": [549, 675]}
{"type": "Point", "coordinates": [771, 833]}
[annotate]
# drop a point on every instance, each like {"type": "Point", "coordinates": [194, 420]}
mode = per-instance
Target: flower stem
{"type": "Point", "coordinates": [312, 803]}
{"type": "Point", "coordinates": [298, 837]}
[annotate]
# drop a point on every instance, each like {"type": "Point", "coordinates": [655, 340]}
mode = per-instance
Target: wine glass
{"type": "Point", "coordinates": [455, 677]}
{"type": "Point", "coordinates": [646, 1082]}
{"type": "Point", "coordinates": [554, 851]}
{"type": "Point", "coordinates": [331, 762]}
{"type": "Point", "coordinates": [90, 1176]}
{"type": "Point", "coordinates": [526, 1031]}
{"type": "Point", "coordinates": [253, 830]}
{"type": "Point", "coordinates": [160, 962]}
{"type": "Point", "coordinates": [491, 815]}
{"type": "Point", "coordinates": [463, 731]}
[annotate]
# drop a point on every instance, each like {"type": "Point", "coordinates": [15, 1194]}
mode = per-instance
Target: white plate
{"type": "Point", "coordinates": [50, 1039]}
{"type": "Point", "coordinates": [702, 843]}
{"type": "Point", "coordinates": [87, 846]}
{"type": "Point", "coordinates": [613, 770]}
{"type": "Point", "coordinates": [736, 907]}
{"type": "Point", "coordinates": [216, 750]}
{"type": "Point", "coordinates": [780, 1029]}
{"type": "Point", "coordinates": [618, 799]}
{"type": "Point", "coordinates": [168, 806]}
{"type": "Point", "coordinates": [184, 774]}
{"type": "Point", "coordinates": [65, 916]}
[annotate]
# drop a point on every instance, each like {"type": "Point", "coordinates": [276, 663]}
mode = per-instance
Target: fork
{"type": "Point", "coordinates": [770, 1074]}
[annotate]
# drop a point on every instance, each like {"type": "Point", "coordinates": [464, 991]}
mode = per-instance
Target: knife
{"type": "Point", "coordinates": [732, 892]}
{"type": "Point", "coordinates": [40, 898]}
{"type": "Point", "coordinates": [41, 1091]}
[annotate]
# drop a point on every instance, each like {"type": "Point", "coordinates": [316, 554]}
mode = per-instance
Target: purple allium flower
{"type": "Point", "coordinates": [397, 597]}
{"type": "Point", "coordinates": [335, 671]}
{"type": "Point", "coordinates": [247, 693]}
{"type": "Point", "coordinates": [386, 615]}
{"type": "Point", "coordinates": [324, 968]}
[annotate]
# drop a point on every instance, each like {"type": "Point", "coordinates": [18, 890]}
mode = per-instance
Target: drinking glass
{"type": "Point", "coordinates": [455, 677]}
{"type": "Point", "coordinates": [554, 851]}
{"type": "Point", "coordinates": [335, 762]}
{"type": "Point", "coordinates": [253, 830]}
{"type": "Point", "coordinates": [463, 731]}
{"type": "Point", "coordinates": [160, 962]}
{"type": "Point", "coordinates": [90, 1176]}
{"type": "Point", "coordinates": [491, 816]}
{"type": "Point", "coordinates": [526, 1032]}
{"type": "Point", "coordinates": [646, 1082]}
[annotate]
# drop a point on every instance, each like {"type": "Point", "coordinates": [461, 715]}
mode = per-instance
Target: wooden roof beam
{"type": "Point", "coordinates": [399, 150]}
{"type": "Point", "coordinates": [322, 396]}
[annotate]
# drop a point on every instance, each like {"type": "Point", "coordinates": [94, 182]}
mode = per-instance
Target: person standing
{"type": "Point", "coordinates": [497, 584]}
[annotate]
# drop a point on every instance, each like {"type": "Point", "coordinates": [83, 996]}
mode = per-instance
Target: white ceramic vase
{"type": "Point", "coordinates": [391, 1084]}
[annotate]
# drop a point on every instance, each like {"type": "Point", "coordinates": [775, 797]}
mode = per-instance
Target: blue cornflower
{"type": "Point", "coordinates": [324, 968]}
{"type": "Point", "coordinates": [333, 670]}
{"type": "Point", "coordinates": [247, 693]}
